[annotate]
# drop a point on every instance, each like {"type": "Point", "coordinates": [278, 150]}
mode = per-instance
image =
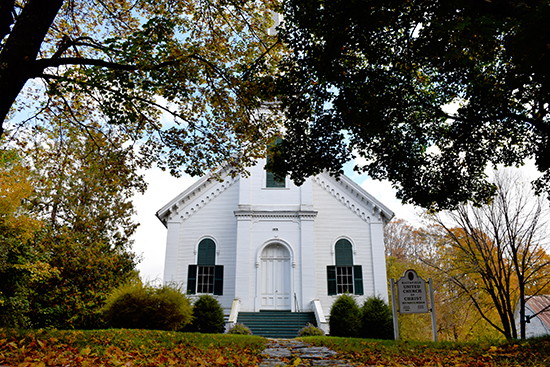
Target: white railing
{"type": "Point", "coordinates": [320, 316]}
{"type": "Point", "coordinates": [235, 308]}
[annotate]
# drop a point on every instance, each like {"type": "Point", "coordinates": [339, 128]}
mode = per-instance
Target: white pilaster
{"type": "Point", "coordinates": [307, 257]}
{"type": "Point", "coordinates": [378, 259]}
{"type": "Point", "coordinates": [242, 260]}
{"type": "Point", "coordinates": [172, 249]}
{"type": "Point", "coordinates": [308, 284]}
{"type": "Point", "coordinates": [306, 195]}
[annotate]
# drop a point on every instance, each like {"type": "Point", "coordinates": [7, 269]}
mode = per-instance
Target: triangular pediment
{"type": "Point", "coordinates": [206, 189]}
{"type": "Point", "coordinates": [197, 195]}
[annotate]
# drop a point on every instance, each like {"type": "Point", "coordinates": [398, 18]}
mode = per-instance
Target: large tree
{"type": "Point", "coordinates": [21, 259]}
{"type": "Point", "coordinates": [92, 90]}
{"type": "Point", "coordinates": [67, 224]}
{"type": "Point", "coordinates": [128, 62]}
{"type": "Point", "coordinates": [426, 93]}
{"type": "Point", "coordinates": [495, 255]}
{"type": "Point", "coordinates": [83, 190]}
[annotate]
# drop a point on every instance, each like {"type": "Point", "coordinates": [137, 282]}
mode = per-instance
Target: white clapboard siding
{"type": "Point", "coordinates": [246, 220]}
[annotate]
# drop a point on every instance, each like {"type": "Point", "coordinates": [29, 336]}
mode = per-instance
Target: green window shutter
{"type": "Point", "coordinates": [331, 280]}
{"type": "Point", "coordinates": [207, 252]}
{"type": "Point", "coordinates": [218, 280]}
{"type": "Point", "coordinates": [344, 253]}
{"type": "Point", "coordinates": [191, 279]}
{"type": "Point", "coordinates": [358, 280]}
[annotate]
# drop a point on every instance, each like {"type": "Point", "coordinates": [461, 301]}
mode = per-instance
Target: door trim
{"type": "Point", "coordinates": [258, 297]}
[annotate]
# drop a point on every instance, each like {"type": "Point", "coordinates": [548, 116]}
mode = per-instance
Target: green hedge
{"type": "Point", "coordinates": [207, 316]}
{"type": "Point", "coordinates": [135, 305]}
{"type": "Point", "coordinates": [373, 320]}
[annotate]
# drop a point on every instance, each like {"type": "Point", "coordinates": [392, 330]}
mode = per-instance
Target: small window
{"type": "Point", "coordinates": [205, 279]}
{"type": "Point", "coordinates": [205, 276]}
{"type": "Point", "coordinates": [272, 180]}
{"type": "Point", "coordinates": [344, 279]}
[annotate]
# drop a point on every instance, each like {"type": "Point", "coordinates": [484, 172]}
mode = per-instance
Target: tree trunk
{"type": "Point", "coordinates": [522, 308]}
{"type": "Point", "coordinates": [21, 49]}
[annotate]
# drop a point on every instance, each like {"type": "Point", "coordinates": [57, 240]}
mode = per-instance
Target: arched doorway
{"type": "Point", "coordinates": [275, 287]}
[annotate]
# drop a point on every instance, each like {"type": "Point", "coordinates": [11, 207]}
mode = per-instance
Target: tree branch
{"type": "Point", "coordinates": [6, 17]}
{"type": "Point", "coordinates": [42, 64]}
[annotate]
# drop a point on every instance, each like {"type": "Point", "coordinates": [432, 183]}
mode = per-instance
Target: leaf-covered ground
{"type": "Point", "coordinates": [163, 348]}
{"type": "Point", "coordinates": [127, 348]}
{"type": "Point", "coordinates": [535, 352]}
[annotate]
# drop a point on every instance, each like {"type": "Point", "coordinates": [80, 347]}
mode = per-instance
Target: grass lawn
{"type": "Point", "coordinates": [164, 348]}
{"type": "Point", "coordinates": [533, 352]}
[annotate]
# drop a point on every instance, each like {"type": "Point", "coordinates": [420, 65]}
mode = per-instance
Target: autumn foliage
{"type": "Point", "coordinates": [457, 318]}
{"type": "Point", "coordinates": [67, 227]}
{"type": "Point", "coordinates": [127, 347]}
{"type": "Point", "coordinates": [163, 348]}
{"type": "Point", "coordinates": [180, 78]}
{"type": "Point", "coordinates": [532, 353]}
{"type": "Point", "coordinates": [21, 260]}
{"type": "Point", "coordinates": [484, 260]}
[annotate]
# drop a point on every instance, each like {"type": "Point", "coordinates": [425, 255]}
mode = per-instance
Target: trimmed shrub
{"type": "Point", "coordinates": [310, 330]}
{"type": "Point", "coordinates": [207, 315]}
{"type": "Point", "coordinates": [376, 319]}
{"type": "Point", "coordinates": [240, 329]}
{"type": "Point", "coordinates": [345, 317]}
{"type": "Point", "coordinates": [135, 305]}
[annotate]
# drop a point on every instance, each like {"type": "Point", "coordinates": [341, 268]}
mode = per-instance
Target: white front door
{"type": "Point", "coordinates": [275, 278]}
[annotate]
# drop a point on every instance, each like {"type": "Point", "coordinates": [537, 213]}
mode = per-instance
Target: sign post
{"type": "Point", "coordinates": [394, 310]}
{"type": "Point", "coordinates": [412, 297]}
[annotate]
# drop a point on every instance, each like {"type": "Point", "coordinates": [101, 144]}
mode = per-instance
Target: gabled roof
{"type": "Point", "coordinates": [354, 197]}
{"type": "Point", "coordinates": [540, 305]}
{"type": "Point", "coordinates": [343, 189]}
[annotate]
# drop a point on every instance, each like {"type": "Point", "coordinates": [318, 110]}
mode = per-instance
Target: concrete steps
{"type": "Point", "coordinates": [276, 324]}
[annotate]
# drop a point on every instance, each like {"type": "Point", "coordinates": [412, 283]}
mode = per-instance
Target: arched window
{"type": "Point", "coordinates": [344, 277]}
{"type": "Point", "coordinates": [205, 276]}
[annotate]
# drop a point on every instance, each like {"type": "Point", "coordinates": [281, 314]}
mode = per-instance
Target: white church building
{"type": "Point", "coordinates": [258, 243]}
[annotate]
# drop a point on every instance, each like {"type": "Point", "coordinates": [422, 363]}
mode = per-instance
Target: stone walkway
{"type": "Point", "coordinates": [291, 352]}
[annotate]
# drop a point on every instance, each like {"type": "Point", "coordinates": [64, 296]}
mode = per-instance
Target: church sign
{"type": "Point", "coordinates": [411, 293]}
